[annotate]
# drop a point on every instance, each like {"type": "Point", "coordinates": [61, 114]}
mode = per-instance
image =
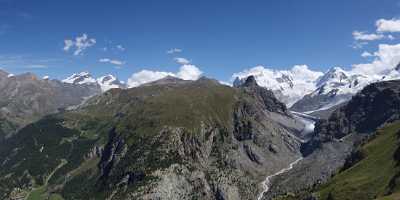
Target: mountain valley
{"type": "Point", "coordinates": [180, 139]}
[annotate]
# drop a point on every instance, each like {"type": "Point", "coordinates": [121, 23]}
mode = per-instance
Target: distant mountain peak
{"type": "Point", "coordinates": [335, 74]}
{"type": "Point", "coordinates": [106, 82]}
{"type": "Point", "coordinates": [397, 68]}
{"type": "Point", "coordinates": [250, 82]}
{"type": "Point", "coordinates": [288, 85]}
{"type": "Point", "coordinates": [167, 80]}
{"type": "Point", "coordinates": [80, 78]}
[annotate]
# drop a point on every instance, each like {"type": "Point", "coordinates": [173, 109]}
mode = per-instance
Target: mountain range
{"type": "Point", "coordinates": [105, 83]}
{"type": "Point", "coordinates": [312, 92]}
{"type": "Point", "coordinates": [96, 138]}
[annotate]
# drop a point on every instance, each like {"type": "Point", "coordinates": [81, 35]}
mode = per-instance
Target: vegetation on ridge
{"type": "Point", "coordinates": [376, 175]}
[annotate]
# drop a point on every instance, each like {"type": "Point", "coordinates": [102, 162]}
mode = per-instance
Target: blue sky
{"type": "Point", "coordinates": [219, 37]}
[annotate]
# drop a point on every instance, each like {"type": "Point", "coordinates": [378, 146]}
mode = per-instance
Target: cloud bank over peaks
{"type": "Point", "coordinates": [186, 72]}
{"type": "Point", "coordinates": [386, 58]}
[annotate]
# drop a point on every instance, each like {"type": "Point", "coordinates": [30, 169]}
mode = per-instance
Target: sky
{"type": "Point", "coordinates": [188, 38]}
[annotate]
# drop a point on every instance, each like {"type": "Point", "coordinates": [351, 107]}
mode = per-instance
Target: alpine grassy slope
{"type": "Point", "coordinates": [375, 175]}
{"type": "Point", "coordinates": [167, 140]}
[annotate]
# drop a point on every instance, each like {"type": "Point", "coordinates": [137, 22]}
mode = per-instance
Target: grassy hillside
{"type": "Point", "coordinates": [195, 140]}
{"type": "Point", "coordinates": [49, 157]}
{"type": "Point", "coordinates": [375, 176]}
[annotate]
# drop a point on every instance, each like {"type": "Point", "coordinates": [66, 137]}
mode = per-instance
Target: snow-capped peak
{"type": "Point", "coordinates": [80, 78]}
{"type": "Point", "coordinates": [287, 85]}
{"type": "Point", "coordinates": [333, 75]}
{"type": "Point", "coordinates": [337, 81]}
{"type": "Point", "coordinates": [104, 82]}
{"type": "Point", "coordinates": [108, 82]}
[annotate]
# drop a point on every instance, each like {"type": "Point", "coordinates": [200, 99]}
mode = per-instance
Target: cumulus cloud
{"type": "Point", "coordinates": [174, 50]}
{"type": "Point", "coordinates": [146, 76]}
{"type": "Point", "coordinates": [186, 72]}
{"type": "Point", "coordinates": [388, 25]}
{"type": "Point", "coordinates": [79, 44]}
{"type": "Point", "coordinates": [189, 72]}
{"type": "Point", "coordinates": [182, 61]}
{"type": "Point", "coordinates": [387, 57]}
{"type": "Point", "coordinates": [360, 35]}
{"type": "Point", "coordinates": [111, 61]}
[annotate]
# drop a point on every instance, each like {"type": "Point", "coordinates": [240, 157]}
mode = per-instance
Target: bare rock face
{"type": "Point", "coordinates": [375, 105]}
{"type": "Point", "coordinates": [264, 95]}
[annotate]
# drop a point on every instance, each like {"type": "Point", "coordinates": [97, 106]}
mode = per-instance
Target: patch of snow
{"type": "Point", "coordinates": [80, 78]}
{"type": "Point", "coordinates": [106, 82]}
{"type": "Point", "coordinates": [109, 82]}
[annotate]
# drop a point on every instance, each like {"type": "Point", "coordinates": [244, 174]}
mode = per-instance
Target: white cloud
{"type": "Point", "coordinates": [68, 44]}
{"type": "Point", "coordinates": [182, 61]}
{"type": "Point", "coordinates": [387, 57]}
{"type": "Point", "coordinates": [186, 72]}
{"type": "Point", "coordinates": [79, 44]}
{"type": "Point", "coordinates": [359, 35]}
{"type": "Point", "coordinates": [174, 50]}
{"type": "Point", "coordinates": [225, 83]}
{"type": "Point", "coordinates": [146, 76]}
{"type": "Point", "coordinates": [388, 25]}
{"type": "Point", "coordinates": [111, 61]}
{"type": "Point", "coordinates": [358, 45]}
{"type": "Point", "coordinates": [189, 72]}
{"type": "Point", "coordinates": [366, 54]}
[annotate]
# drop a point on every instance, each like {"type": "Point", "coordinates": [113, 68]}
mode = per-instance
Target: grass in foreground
{"type": "Point", "coordinates": [369, 178]}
